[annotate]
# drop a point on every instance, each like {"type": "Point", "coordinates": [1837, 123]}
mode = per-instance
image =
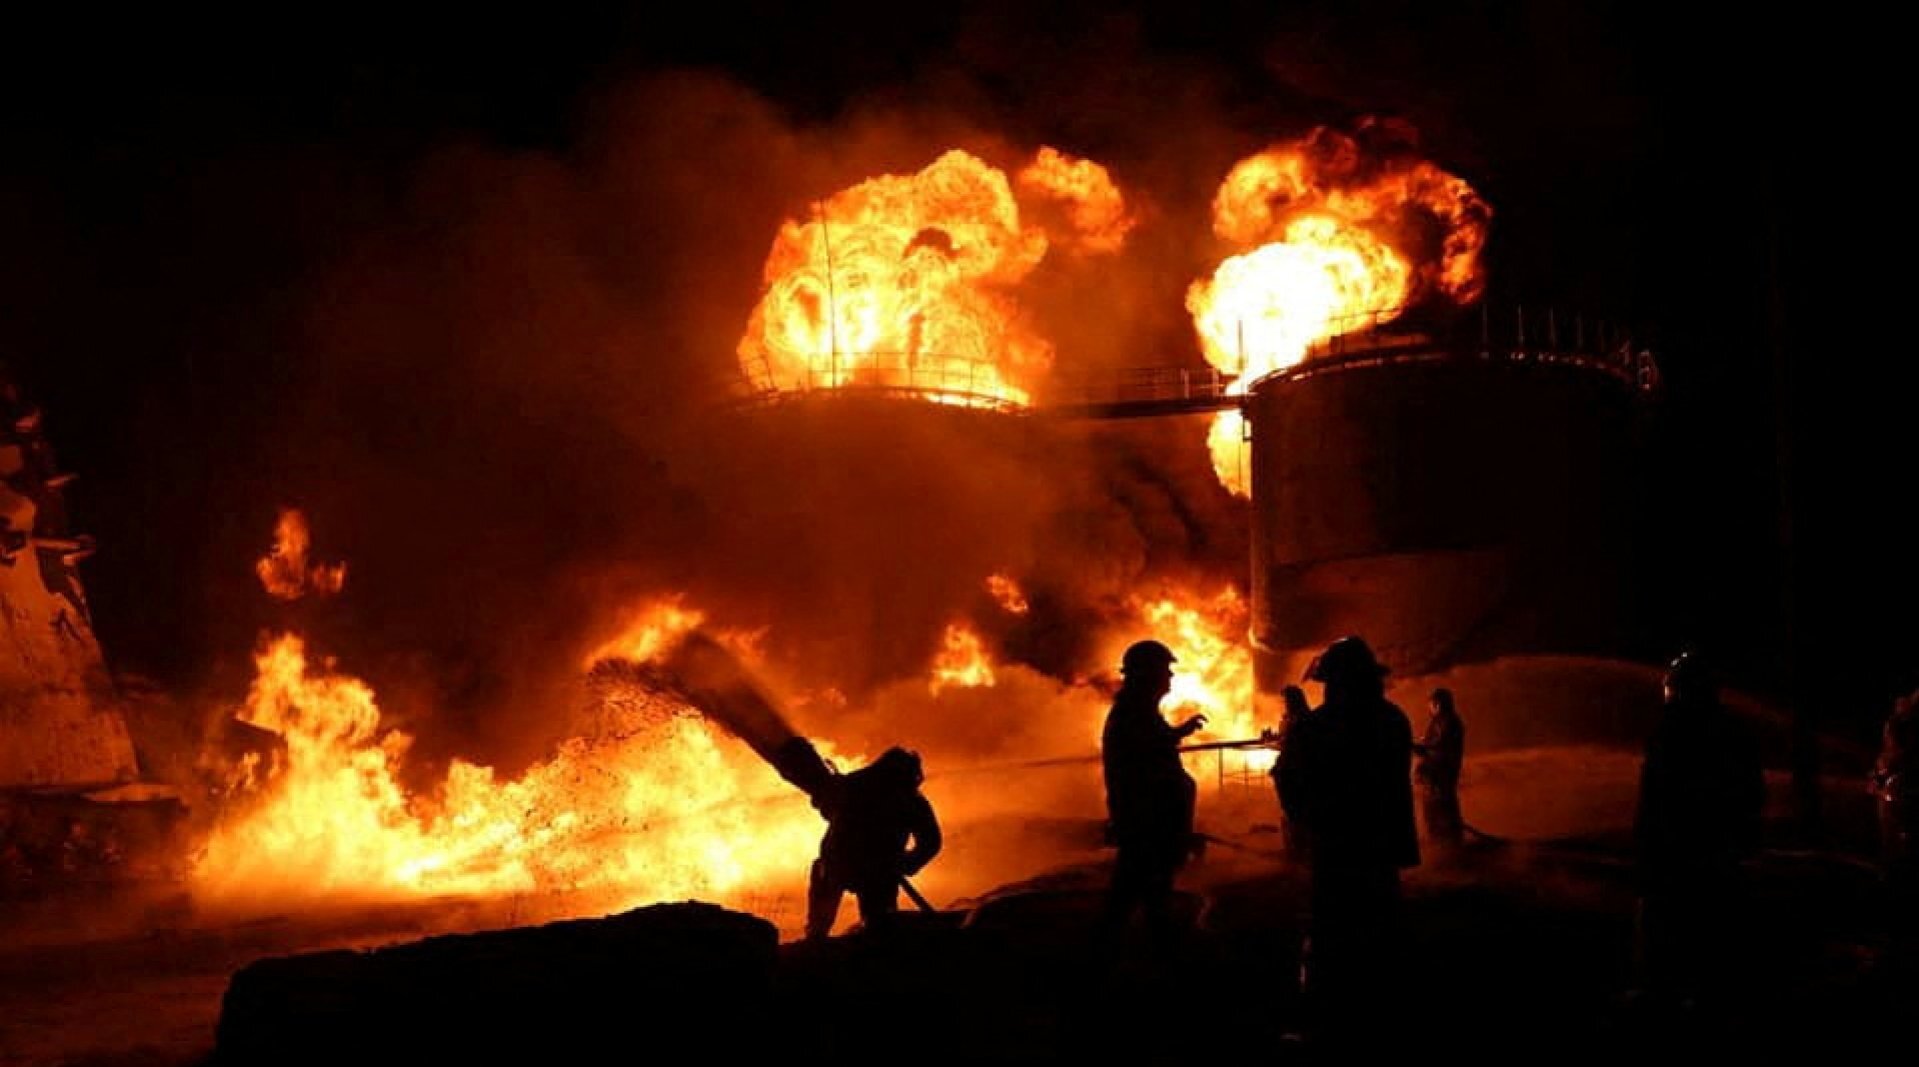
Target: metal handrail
{"type": "Point", "coordinates": [1369, 339]}
{"type": "Point", "coordinates": [959, 380]}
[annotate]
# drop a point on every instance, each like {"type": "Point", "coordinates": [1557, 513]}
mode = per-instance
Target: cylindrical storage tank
{"type": "Point", "coordinates": [1448, 503]}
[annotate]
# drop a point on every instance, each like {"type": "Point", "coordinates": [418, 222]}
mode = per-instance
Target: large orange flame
{"type": "Point", "coordinates": [1096, 210]}
{"type": "Point", "coordinates": [1332, 241]}
{"type": "Point", "coordinates": [905, 282]}
{"type": "Point", "coordinates": [666, 806]}
{"type": "Point", "coordinates": [1213, 674]}
{"type": "Point", "coordinates": [284, 570]}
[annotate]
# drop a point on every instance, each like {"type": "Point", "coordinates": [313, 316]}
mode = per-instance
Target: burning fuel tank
{"type": "Point", "coordinates": [1453, 497]}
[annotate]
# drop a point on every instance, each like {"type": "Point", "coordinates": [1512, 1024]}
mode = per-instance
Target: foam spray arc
{"type": "Point", "coordinates": [711, 679]}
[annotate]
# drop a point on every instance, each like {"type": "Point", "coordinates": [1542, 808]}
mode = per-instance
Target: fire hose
{"type": "Point", "coordinates": [1271, 741]}
{"type": "Point", "coordinates": [704, 674]}
{"type": "Point", "coordinates": [709, 678]}
{"type": "Point", "coordinates": [1266, 740]}
{"type": "Point", "coordinates": [914, 894]}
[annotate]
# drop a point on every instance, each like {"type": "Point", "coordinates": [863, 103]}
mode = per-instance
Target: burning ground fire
{"type": "Point", "coordinates": [610, 812]}
{"type": "Point", "coordinates": [654, 802]}
{"type": "Point", "coordinates": [327, 817]}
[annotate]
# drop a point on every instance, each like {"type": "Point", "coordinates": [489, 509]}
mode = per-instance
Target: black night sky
{"type": "Point", "coordinates": [176, 189]}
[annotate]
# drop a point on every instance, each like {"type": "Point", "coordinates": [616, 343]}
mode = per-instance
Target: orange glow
{"type": "Point", "coordinates": [1006, 593]}
{"type": "Point", "coordinates": [1329, 243]}
{"type": "Point", "coordinates": [284, 570]}
{"type": "Point", "coordinates": [961, 662]}
{"type": "Point", "coordinates": [667, 807]}
{"type": "Point", "coordinates": [906, 283]}
{"type": "Point", "coordinates": [1095, 206]}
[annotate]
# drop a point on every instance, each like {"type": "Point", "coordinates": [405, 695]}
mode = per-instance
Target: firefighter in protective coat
{"type": "Point", "coordinates": [1702, 796]}
{"type": "Point", "coordinates": [1348, 787]}
{"type": "Point", "coordinates": [880, 829]}
{"type": "Point", "coordinates": [1441, 751]}
{"type": "Point", "coordinates": [1149, 795]}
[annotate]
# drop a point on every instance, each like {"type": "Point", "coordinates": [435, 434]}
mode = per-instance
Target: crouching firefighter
{"type": "Point", "coordinates": [880, 830]}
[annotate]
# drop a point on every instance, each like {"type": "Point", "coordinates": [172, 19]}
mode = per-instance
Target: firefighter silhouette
{"type": "Point", "coordinates": [879, 829]}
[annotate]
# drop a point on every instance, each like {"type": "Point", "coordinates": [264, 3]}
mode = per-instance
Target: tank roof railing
{"type": "Point", "coordinates": [960, 381]}
{"type": "Point", "coordinates": [1517, 334]}
{"type": "Point", "coordinates": [1393, 336]}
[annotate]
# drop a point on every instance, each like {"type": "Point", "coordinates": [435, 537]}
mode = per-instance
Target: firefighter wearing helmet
{"type": "Point", "coordinates": [1348, 773]}
{"type": "Point", "coordinates": [880, 829]}
{"type": "Point", "coordinates": [1149, 795]}
{"type": "Point", "coordinates": [1702, 794]}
